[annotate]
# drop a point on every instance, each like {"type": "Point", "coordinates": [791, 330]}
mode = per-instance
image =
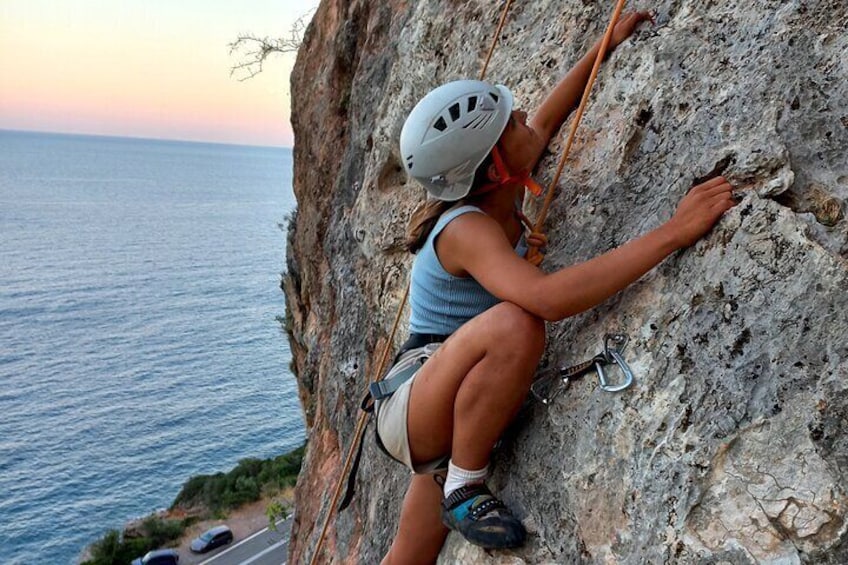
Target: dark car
{"type": "Point", "coordinates": [210, 539]}
{"type": "Point", "coordinates": [158, 557]}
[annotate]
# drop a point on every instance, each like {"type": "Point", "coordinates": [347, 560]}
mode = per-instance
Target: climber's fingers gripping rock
{"type": "Point", "coordinates": [700, 209]}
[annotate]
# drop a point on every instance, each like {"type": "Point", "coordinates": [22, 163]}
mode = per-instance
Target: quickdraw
{"type": "Point", "coordinates": [546, 388]}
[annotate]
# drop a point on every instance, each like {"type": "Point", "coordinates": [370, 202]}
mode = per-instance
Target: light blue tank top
{"type": "Point", "coordinates": [441, 302]}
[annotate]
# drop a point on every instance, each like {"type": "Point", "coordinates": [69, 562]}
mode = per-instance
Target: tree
{"type": "Point", "coordinates": [252, 50]}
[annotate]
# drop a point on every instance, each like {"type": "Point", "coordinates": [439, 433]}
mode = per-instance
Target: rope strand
{"type": "Point", "coordinates": [602, 51]}
{"type": "Point", "coordinates": [360, 429]}
{"type": "Point", "coordinates": [497, 36]}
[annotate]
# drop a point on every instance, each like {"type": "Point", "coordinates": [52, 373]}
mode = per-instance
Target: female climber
{"type": "Point", "coordinates": [478, 307]}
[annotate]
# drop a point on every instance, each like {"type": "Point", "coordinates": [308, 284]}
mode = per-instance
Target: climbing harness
{"type": "Point", "coordinates": [556, 380]}
{"type": "Point", "coordinates": [355, 448]}
{"type": "Point", "coordinates": [408, 361]}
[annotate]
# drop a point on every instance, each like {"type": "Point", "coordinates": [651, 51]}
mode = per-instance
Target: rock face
{"type": "Point", "coordinates": [732, 445]}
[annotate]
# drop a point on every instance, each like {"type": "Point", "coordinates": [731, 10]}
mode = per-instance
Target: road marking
{"type": "Point", "coordinates": [245, 540]}
{"type": "Point", "coordinates": [265, 552]}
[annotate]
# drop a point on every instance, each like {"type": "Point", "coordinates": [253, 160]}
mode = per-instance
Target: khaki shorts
{"type": "Point", "coordinates": [392, 414]}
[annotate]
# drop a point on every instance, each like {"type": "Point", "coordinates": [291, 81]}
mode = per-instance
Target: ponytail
{"type": "Point", "coordinates": [423, 221]}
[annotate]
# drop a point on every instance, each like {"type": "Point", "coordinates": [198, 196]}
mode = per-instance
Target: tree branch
{"type": "Point", "coordinates": [252, 50]}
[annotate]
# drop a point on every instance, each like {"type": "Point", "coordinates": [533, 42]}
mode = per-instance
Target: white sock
{"type": "Point", "coordinates": [459, 477]}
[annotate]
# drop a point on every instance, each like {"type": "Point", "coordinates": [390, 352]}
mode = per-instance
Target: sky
{"type": "Point", "coordinates": [144, 68]}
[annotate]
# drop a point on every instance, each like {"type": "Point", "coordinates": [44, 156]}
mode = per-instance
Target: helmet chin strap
{"type": "Point", "coordinates": [507, 178]}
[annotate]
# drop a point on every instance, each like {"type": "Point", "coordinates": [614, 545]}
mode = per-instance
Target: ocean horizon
{"type": "Point", "coordinates": [139, 323]}
{"type": "Point", "coordinates": [107, 136]}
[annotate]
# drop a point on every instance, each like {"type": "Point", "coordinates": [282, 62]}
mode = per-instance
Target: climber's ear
{"type": "Point", "coordinates": [492, 173]}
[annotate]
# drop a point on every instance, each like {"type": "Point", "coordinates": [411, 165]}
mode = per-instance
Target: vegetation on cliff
{"type": "Point", "coordinates": [119, 548]}
{"type": "Point", "coordinates": [247, 482]}
{"type": "Point", "coordinates": [201, 496]}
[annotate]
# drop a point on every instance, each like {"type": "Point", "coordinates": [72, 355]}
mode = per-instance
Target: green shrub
{"type": "Point", "coordinates": [116, 549]}
{"type": "Point", "coordinates": [160, 532]}
{"type": "Point", "coordinates": [105, 550]}
{"type": "Point", "coordinates": [243, 484]}
{"type": "Point", "coordinates": [218, 493]}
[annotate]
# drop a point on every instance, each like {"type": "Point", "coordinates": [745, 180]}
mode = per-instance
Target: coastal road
{"type": "Point", "coordinates": [266, 547]}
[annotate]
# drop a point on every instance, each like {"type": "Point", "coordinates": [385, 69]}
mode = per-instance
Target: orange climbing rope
{"type": "Point", "coordinates": [495, 39]}
{"type": "Point", "coordinates": [363, 417]}
{"type": "Point", "coordinates": [602, 52]}
{"type": "Point", "coordinates": [360, 429]}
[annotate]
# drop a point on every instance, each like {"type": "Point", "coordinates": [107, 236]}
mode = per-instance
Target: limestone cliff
{"type": "Point", "coordinates": [732, 446]}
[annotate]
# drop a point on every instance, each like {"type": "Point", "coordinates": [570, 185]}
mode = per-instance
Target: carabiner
{"type": "Point", "coordinates": [546, 388]}
{"type": "Point", "coordinates": [613, 345]}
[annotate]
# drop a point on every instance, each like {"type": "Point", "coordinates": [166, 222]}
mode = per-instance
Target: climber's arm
{"type": "Point", "coordinates": [566, 94]}
{"type": "Point", "coordinates": [475, 245]}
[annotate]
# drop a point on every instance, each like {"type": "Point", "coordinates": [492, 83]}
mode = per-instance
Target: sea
{"type": "Point", "coordinates": [140, 341]}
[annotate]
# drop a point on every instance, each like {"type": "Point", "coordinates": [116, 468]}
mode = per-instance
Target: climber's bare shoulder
{"type": "Point", "coordinates": [475, 245]}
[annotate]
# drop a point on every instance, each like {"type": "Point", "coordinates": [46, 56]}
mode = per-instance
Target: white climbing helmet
{"type": "Point", "coordinates": [450, 132]}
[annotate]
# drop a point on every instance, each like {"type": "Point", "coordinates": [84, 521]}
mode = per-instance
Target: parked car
{"type": "Point", "coordinates": [158, 557]}
{"type": "Point", "coordinates": [210, 539]}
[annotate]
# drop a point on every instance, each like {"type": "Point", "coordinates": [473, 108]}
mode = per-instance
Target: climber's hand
{"type": "Point", "coordinates": [538, 243]}
{"type": "Point", "coordinates": [534, 256]}
{"type": "Point", "coordinates": [627, 25]}
{"type": "Point", "coordinates": [699, 210]}
{"type": "Point", "coordinates": [537, 239]}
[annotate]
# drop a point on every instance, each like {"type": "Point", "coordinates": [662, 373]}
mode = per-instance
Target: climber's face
{"type": "Point", "coordinates": [519, 143]}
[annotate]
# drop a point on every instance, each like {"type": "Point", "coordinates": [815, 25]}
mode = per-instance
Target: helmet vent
{"type": "Point", "coordinates": [440, 124]}
{"type": "Point", "coordinates": [478, 122]}
{"type": "Point", "coordinates": [454, 111]}
{"type": "Point", "coordinates": [472, 103]}
{"type": "Point", "coordinates": [494, 97]}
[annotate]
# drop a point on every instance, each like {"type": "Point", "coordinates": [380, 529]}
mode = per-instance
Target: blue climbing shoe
{"type": "Point", "coordinates": [481, 518]}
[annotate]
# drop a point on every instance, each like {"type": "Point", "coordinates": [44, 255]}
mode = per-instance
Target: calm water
{"type": "Point", "coordinates": [139, 285]}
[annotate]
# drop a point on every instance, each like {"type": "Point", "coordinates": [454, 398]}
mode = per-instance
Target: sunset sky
{"type": "Point", "coordinates": [144, 68]}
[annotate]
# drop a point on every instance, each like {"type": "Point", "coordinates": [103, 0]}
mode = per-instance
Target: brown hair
{"type": "Point", "coordinates": [424, 218]}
